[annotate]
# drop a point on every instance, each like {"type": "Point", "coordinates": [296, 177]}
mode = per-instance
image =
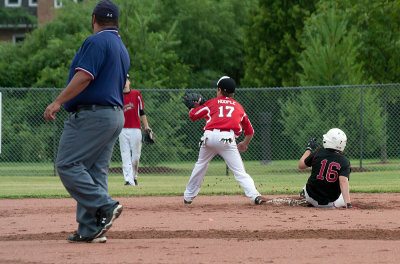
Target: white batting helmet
{"type": "Point", "coordinates": [335, 139]}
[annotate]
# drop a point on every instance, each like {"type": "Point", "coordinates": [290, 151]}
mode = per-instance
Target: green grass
{"type": "Point", "coordinates": [217, 167]}
{"type": "Point", "coordinates": [268, 180]}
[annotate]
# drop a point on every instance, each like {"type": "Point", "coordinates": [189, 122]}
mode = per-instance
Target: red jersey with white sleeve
{"type": "Point", "coordinates": [133, 103]}
{"type": "Point", "coordinates": [223, 113]}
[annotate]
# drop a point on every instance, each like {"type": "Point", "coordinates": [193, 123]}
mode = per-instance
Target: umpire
{"type": "Point", "coordinates": [94, 97]}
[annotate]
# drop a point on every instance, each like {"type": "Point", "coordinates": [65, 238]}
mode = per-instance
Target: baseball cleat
{"type": "Point", "coordinates": [136, 182]}
{"type": "Point", "coordinates": [187, 202]}
{"type": "Point", "coordinates": [105, 220]}
{"type": "Point", "coordinates": [75, 238]}
{"type": "Point", "coordinates": [259, 200]}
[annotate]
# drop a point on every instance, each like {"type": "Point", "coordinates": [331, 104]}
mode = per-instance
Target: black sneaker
{"type": "Point", "coordinates": [259, 200]}
{"type": "Point", "coordinates": [128, 184]}
{"type": "Point", "coordinates": [187, 202]}
{"type": "Point", "coordinates": [136, 182]}
{"type": "Point", "coordinates": [106, 219]}
{"type": "Point", "coordinates": [75, 238]}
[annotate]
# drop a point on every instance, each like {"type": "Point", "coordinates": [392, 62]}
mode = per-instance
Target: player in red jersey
{"type": "Point", "coordinates": [130, 139]}
{"type": "Point", "coordinates": [225, 121]}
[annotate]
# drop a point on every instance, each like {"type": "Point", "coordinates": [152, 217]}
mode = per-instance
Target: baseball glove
{"type": "Point", "coordinates": [148, 137]}
{"type": "Point", "coordinates": [193, 100]}
{"type": "Point", "coordinates": [312, 144]}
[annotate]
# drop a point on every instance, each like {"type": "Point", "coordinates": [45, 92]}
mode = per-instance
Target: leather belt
{"type": "Point", "coordinates": [96, 107]}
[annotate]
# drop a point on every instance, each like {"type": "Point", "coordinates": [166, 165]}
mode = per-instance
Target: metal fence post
{"type": "Point", "coordinates": [361, 126]}
{"type": "Point", "coordinates": [54, 138]}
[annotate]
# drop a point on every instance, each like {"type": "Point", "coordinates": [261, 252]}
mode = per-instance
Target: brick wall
{"type": "Point", "coordinates": [45, 11]}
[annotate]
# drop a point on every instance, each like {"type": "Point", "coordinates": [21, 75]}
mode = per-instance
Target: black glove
{"type": "Point", "coordinates": [191, 99]}
{"type": "Point", "coordinates": [312, 144]}
{"type": "Point", "coordinates": [148, 137]}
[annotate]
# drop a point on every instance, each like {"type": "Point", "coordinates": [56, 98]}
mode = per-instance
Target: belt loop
{"type": "Point", "coordinates": [94, 108]}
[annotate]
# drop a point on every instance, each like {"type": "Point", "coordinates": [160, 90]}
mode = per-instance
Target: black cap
{"type": "Point", "coordinates": [106, 8]}
{"type": "Point", "coordinates": [226, 83]}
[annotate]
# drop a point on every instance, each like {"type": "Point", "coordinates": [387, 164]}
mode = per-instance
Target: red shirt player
{"type": "Point", "coordinates": [130, 139]}
{"type": "Point", "coordinates": [225, 121]}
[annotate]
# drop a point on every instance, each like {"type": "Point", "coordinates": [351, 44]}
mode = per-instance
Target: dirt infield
{"type": "Point", "coordinates": [214, 229]}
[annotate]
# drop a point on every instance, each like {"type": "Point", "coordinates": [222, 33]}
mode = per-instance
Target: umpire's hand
{"type": "Point", "coordinates": [51, 111]}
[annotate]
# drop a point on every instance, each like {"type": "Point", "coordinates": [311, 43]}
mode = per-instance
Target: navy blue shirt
{"type": "Point", "coordinates": [104, 57]}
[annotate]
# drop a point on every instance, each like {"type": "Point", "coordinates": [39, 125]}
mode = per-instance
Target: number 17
{"type": "Point", "coordinates": [228, 108]}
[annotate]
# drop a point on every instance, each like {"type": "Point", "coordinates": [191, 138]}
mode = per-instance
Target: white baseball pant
{"type": "Point", "coordinates": [214, 144]}
{"type": "Point", "coordinates": [338, 203]}
{"type": "Point", "coordinates": [130, 144]}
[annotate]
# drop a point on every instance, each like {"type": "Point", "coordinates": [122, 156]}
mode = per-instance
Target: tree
{"type": "Point", "coordinates": [272, 42]}
{"type": "Point", "coordinates": [210, 35]}
{"type": "Point", "coordinates": [331, 50]}
{"type": "Point", "coordinates": [331, 58]}
{"type": "Point", "coordinates": [377, 23]}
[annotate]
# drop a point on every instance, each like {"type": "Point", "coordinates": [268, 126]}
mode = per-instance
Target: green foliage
{"type": "Point", "coordinates": [272, 47]}
{"type": "Point", "coordinates": [377, 26]}
{"type": "Point", "coordinates": [330, 58]}
{"type": "Point", "coordinates": [313, 113]}
{"type": "Point", "coordinates": [15, 16]}
{"type": "Point", "coordinates": [22, 138]}
{"type": "Point", "coordinates": [166, 125]}
{"type": "Point", "coordinates": [154, 63]}
{"type": "Point", "coordinates": [331, 50]}
{"type": "Point", "coordinates": [47, 50]}
{"type": "Point", "coordinates": [185, 43]}
{"type": "Point", "coordinates": [377, 23]}
{"type": "Point", "coordinates": [172, 44]}
{"type": "Point", "coordinates": [272, 42]}
{"type": "Point", "coordinates": [210, 35]}
{"type": "Point", "coordinates": [8, 54]}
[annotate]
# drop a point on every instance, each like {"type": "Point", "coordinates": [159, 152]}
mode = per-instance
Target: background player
{"type": "Point", "coordinates": [328, 185]}
{"type": "Point", "coordinates": [225, 120]}
{"type": "Point", "coordinates": [130, 139]}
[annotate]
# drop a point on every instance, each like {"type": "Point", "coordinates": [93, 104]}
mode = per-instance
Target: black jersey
{"type": "Point", "coordinates": [327, 165]}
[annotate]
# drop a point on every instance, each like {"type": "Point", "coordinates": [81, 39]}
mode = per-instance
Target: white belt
{"type": "Point", "coordinates": [220, 130]}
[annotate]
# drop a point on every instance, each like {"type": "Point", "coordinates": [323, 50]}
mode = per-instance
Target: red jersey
{"type": "Point", "coordinates": [133, 103]}
{"type": "Point", "coordinates": [223, 113]}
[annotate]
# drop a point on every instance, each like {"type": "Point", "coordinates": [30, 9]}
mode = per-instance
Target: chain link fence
{"type": "Point", "coordinates": [284, 119]}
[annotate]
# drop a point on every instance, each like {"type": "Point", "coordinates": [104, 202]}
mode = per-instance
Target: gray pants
{"type": "Point", "coordinates": [83, 160]}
